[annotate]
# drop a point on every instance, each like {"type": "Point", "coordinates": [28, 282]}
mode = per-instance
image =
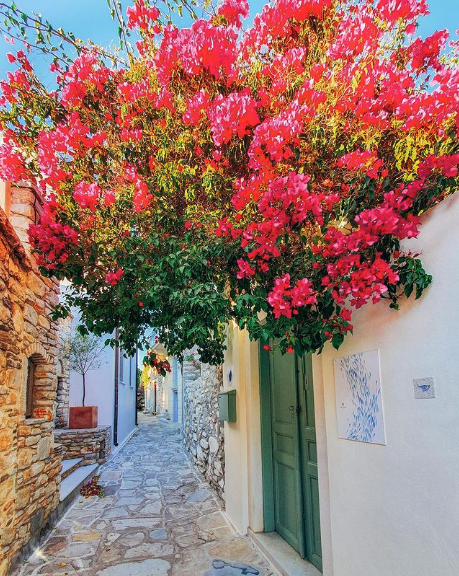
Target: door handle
{"type": "Point", "coordinates": [305, 375]}
{"type": "Point", "coordinates": [297, 409]}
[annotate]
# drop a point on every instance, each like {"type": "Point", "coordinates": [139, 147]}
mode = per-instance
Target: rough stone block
{"type": "Point", "coordinates": [43, 448]}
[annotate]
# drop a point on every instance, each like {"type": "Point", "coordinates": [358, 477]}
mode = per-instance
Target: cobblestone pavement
{"type": "Point", "coordinates": [158, 518]}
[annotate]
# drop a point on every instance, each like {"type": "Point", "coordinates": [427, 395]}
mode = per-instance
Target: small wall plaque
{"type": "Point", "coordinates": [424, 388]}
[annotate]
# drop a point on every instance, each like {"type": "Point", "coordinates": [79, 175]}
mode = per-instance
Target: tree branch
{"type": "Point", "coordinates": [45, 33]}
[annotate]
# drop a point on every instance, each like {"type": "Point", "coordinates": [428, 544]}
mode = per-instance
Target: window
{"type": "Point", "coordinates": [30, 388]}
{"type": "Point", "coordinates": [124, 368]}
{"type": "Point", "coordinates": [133, 372]}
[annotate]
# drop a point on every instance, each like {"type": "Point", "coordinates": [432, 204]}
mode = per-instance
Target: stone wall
{"type": "Point", "coordinates": [30, 464]}
{"type": "Point", "coordinates": [91, 444]}
{"type": "Point", "coordinates": [61, 419]}
{"type": "Point", "coordinates": [203, 431]}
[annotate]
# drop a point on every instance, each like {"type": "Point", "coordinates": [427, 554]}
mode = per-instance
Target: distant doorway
{"type": "Point", "coordinates": [290, 477]}
{"type": "Point", "coordinates": [174, 405]}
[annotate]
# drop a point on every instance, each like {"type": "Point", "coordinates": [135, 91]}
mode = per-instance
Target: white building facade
{"type": "Point", "coordinates": [368, 509]}
{"type": "Point", "coordinates": [112, 388]}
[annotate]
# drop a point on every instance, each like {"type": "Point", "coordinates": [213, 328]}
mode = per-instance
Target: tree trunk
{"type": "Point", "coordinates": [84, 387]}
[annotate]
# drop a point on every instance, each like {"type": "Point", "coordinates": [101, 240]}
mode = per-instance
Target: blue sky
{"type": "Point", "coordinates": [91, 19]}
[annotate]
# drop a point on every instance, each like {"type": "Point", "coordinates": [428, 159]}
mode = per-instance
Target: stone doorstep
{"type": "Point", "coordinates": [281, 555]}
{"type": "Point", "coordinates": [70, 486]}
{"type": "Point", "coordinates": [70, 465]}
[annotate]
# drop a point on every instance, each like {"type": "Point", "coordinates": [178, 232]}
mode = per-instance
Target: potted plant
{"type": "Point", "coordinates": [85, 354]}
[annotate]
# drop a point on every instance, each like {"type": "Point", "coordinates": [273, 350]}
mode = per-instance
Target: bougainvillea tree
{"type": "Point", "coordinates": [269, 175]}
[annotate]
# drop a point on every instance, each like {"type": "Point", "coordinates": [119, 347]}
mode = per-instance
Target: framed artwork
{"type": "Point", "coordinates": [359, 404]}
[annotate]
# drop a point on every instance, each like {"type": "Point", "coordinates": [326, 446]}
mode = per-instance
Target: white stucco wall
{"type": "Point", "coordinates": [395, 509]}
{"type": "Point", "coordinates": [100, 391]}
{"type": "Point", "coordinates": [243, 474]}
{"type": "Point", "coordinates": [127, 402]}
{"type": "Point", "coordinates": [168, 396]}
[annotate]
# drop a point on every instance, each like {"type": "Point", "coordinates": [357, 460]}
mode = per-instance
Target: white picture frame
{"type": "Point", "coordinates": [359, 403]}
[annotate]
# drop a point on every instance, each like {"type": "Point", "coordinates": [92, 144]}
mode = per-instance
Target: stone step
{"type": "Point", "coordinates": [70, 486]}
{"type": "Point", "coordinates": [69, 465]}
{"type": "Point", "coordinates": [282, 556]}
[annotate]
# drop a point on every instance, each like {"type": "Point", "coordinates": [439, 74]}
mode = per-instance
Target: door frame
{"type": "Point", "coordinates": [175, 417]}
{"type": "Point", "coordinates": [267, 465]}
{"type": "Point", "coordinates": [267, 444]}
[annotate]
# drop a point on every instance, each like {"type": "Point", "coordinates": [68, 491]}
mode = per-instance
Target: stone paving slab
{"type": "Point", "coordinates": [158, 518]}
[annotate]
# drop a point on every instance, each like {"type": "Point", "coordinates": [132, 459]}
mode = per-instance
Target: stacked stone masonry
{"type": "Point", "coordinates": [203, 431]}
{"type": "Point", "coordinates": [63, 374]}
{"type": "Point", "coordinates": [30, 464]}
{"type": "Point", "coordinates": [91, 444]}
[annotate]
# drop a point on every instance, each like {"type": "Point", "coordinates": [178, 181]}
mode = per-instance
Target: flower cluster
{"type": "Point", "coordinates": [232, 115]}
{"type": "Point", "coordinates": [203, 47]}
{"type": "Point", "coordinates": [92, 488]}
{"type": "Point", "coordinates": [234, 11]}
{"type": "Point", "coordinates": [87, 195]}
{"type": "Point", "coordinates": [53, 240]}
{"type": "Point", "coordinates": [285, 299]}
{"type": "Point", "coordinates": [11, 163]}
{"type": "Point", "coordinates": [161, 366]}
{"type": "Point", "coordinates": [114, 277]}
{"type": "Point", "coordinates": [367, 161]}
{"type": "Point", "coordinates": [198, 103]}
{"type": "Point", "coordinates": [141, 15]}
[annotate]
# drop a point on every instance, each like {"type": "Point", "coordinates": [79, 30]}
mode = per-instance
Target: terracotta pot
{"type": "Point", "coordinates": [83, 417]}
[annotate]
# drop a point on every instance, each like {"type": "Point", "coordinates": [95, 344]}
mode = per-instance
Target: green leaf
{"type": "Point", "coordinates": [337, 340]}
{"type": "Point", "coordinates": [408, 290]}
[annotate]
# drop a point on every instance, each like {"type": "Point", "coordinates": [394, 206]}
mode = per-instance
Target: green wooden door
{"type": "Point", "coordinates": [288, 494]}
{"type": "Point", "coordinates": [310, 478]}
{"type": "Point", "coordinates": [290, 479]}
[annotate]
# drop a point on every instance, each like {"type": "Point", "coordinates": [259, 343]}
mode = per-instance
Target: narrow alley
{"type": "Point", "coordinates": [158, 518]}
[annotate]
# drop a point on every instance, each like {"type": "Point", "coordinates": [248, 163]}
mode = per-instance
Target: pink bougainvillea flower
{"type": "Point", "coordinates": [114, 277]}
{"type": "Point", "coordinates": [87, 195]}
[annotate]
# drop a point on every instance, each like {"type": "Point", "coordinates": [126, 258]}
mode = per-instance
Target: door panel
{"type": "Point", "coordinates": [174, 405]}
{"type": "Point", "coordinates": [309, 463]}
{"type": "Point", "coordinates": [316, 547]}
{"type": "Point", "coordinates": [285, 441]}
{"type": "Point", "coordinates": [286, 504]}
